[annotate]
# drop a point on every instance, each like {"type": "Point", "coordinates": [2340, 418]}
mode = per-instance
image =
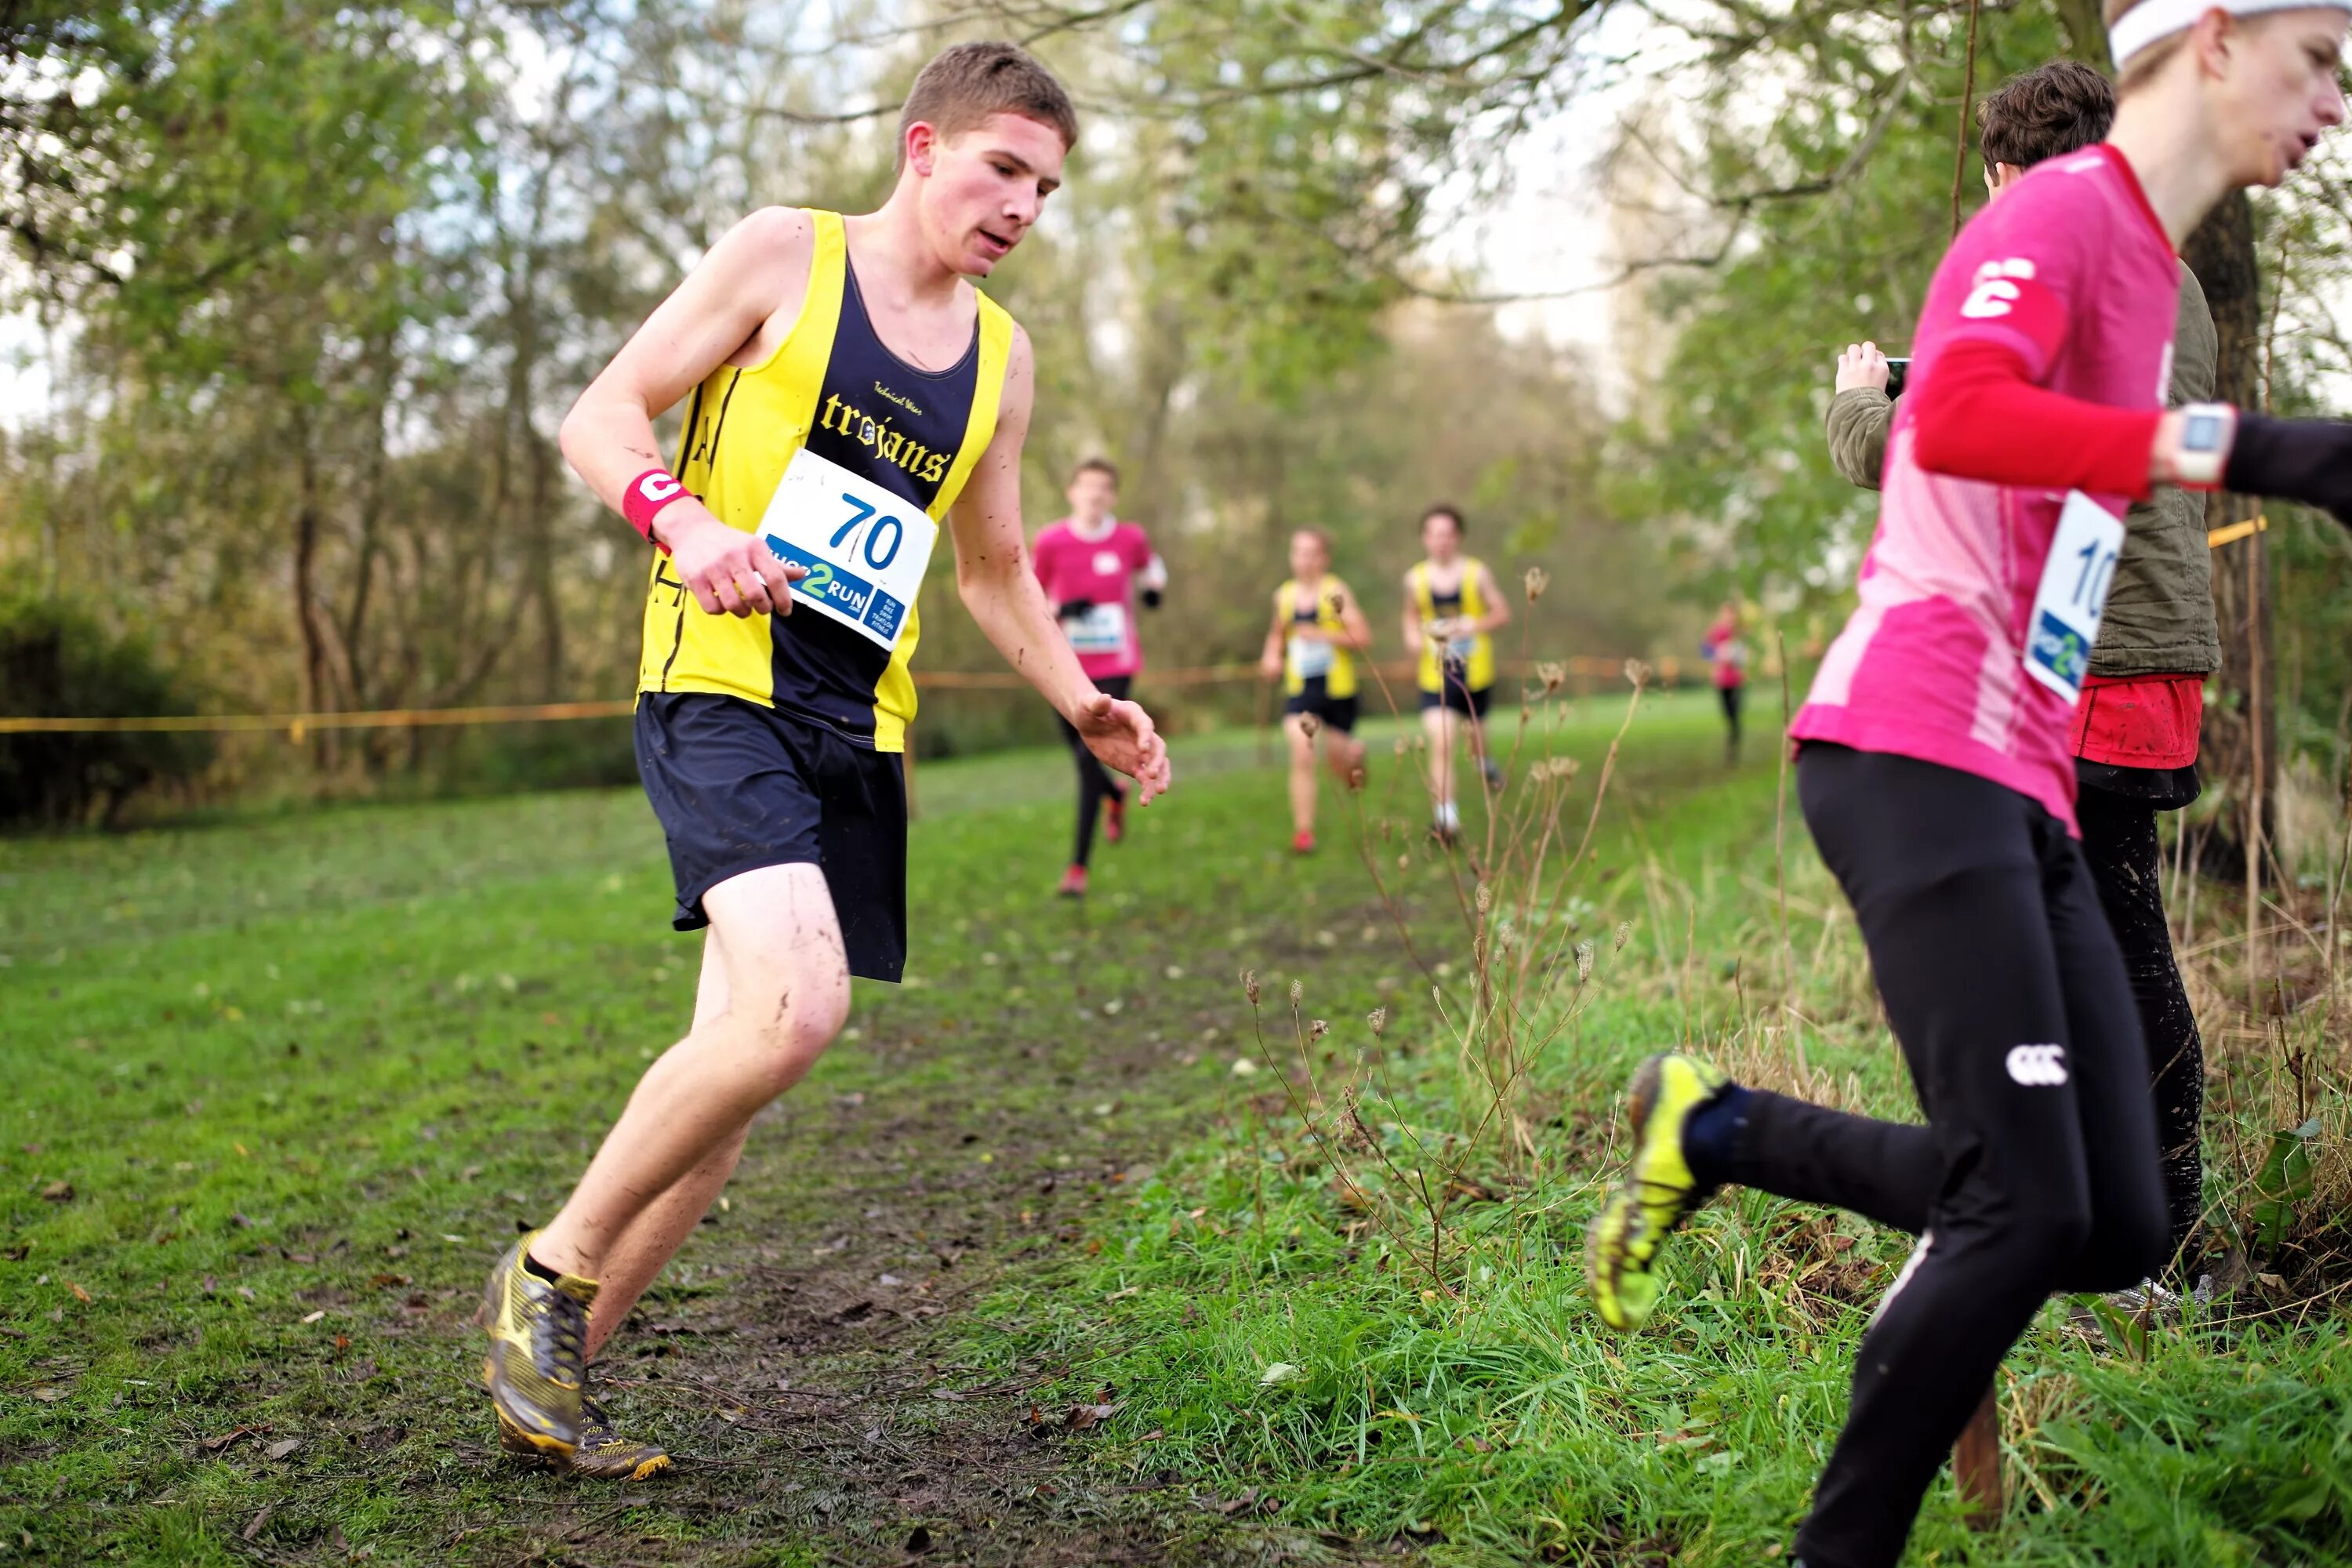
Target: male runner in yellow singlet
{"type": "Point", "coordinates": [848, 390]}
{"type": "Point", "coordinates": [1311, 647]}
{"type": "Point", "coordinates": [1452, 610]}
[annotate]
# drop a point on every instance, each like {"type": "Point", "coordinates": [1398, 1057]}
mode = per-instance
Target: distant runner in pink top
{"type": "Point", "coordinates": [1093, 569]}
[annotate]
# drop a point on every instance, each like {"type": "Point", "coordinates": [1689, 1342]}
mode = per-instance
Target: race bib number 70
{"type": "Point", "coordinates": [2064, 623]}
{"type": "Point", "coordinates": [864, 547]}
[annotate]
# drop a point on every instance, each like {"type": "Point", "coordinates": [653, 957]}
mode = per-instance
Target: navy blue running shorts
{"type": "Point", "coordinates": [1336, 712]}
{"type": "Point", "coordinates": [1458, 697]}
{"type": "Point", "coordinates": [738, 786]}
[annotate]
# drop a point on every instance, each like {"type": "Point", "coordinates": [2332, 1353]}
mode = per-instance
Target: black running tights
{"type": "Point", "coordinates": [1096, 785]}
{"type": "Point", "coordinates": [2037, 1170]}
{"type": "Point", "coordinates": [2119, 843]}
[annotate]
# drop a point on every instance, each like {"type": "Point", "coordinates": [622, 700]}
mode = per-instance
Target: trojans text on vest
{"type": "Point", "coordinates": [889, 446]}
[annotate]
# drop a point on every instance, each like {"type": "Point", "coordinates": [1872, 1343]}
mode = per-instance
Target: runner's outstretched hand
{"type": "Point", "coordinates": [1121, 734]}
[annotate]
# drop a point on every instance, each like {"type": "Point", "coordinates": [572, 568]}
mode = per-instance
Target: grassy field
{"type": "Point", "coordinates": [1012, 1277]}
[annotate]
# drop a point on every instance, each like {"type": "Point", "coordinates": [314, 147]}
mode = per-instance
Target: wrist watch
{"type": "Point", "coordinates": [2207, 430]}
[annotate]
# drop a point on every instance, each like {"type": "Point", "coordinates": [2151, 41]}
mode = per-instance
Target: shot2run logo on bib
{"type": "Point", "coordinates": [2038, 1067]}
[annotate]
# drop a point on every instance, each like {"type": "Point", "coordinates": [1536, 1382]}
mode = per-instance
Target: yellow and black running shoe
{"type": "Point", "coordinates": [601, 1453]}
{"type": "Point", "coordinates": [538, 1330]}
{"type": "Point", "coordinates": [1657, 1194]}
{"type": "Point", "coordinates": [605, 1455]}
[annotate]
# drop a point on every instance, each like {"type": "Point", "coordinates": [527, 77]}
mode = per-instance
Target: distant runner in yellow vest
{"type": "Point", "coordinates": [850, 394]}
{"type": "Point", "coordinates": [1311, 649]}
{"type": "Point", "coordinates": [1452, 609]}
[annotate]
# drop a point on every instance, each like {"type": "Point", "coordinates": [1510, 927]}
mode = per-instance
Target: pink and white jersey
{"type": "Point", "coordinates": [1099, 572]}
{"type": "Point", "coordinates": [2071, 270]}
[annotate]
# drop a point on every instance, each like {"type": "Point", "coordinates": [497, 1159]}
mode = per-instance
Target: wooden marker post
{"type": "Point", "coordinates": [1976, 1463]}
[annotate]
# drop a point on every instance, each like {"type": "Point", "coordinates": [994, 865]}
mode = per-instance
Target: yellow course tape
{"type": "Point", "coordinates": [2231, 532]}
{"type": "Point", "coordinates": [298, 725]}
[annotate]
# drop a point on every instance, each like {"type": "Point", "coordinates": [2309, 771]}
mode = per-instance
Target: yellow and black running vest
{"type": "Point", "coordinates": [1473, 666]}
{"type": "Point", "coordinates": [832, 387]}
{"type": "Point", "coordinates": [1319, 608]}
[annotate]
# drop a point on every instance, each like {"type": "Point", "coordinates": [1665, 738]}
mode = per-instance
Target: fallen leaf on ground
{"type": "Point", "coordinates": [1280, 1372]}
{"type": "Point", "coordinates": [215, 1445]}
{"type": "Point", "coordinates": [48, 1395]}
{"type": "Point", "coordinates": [1085, 1415]}
{"type": "Point", "coordinates": [314, 1317]}
{"type": "Point", "coordinates": [263, 1517]}
{"type": "Point", "coordinates": [80, 1294]}
{"type": "Point", "coordinates": [284, 1447]}
{"type": "Point", "coordinates": [58, 1192]}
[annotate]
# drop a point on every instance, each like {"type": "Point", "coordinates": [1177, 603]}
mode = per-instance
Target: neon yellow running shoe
{"type": "Point", "coordinates": [605, 1455]}
{"type": "Point", "coordinates": [601, 1453]}
{"type": "Point", "coordinates": [1658, 1191]}
{"type": "Point", "coordinates": [537, 1332]}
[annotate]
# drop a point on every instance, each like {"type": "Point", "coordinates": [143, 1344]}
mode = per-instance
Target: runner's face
{"type": "Point", "coordinates": [2279, 91]}
{"type": "Point", "coordinates": [1441, 537]}
{"type": "Point", "coordinates": [983, 189]}
{"type": "Point", "coordinates": [1308, 560]}
{"type": "Point", "coordinates": [1092, 495]}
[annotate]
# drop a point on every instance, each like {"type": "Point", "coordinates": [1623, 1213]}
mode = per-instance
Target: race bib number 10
{"type": "Point", "coordinates": [864, 547]}
{"type": "Point", "coordinates": [2065, 624]}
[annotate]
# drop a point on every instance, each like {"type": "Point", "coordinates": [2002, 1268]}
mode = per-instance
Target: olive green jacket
{"type": "Point", "coordinates": [2159, 616]}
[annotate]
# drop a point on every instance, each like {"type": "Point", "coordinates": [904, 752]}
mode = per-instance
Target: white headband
{"type": "Point", "coordinates": [2154, 20]}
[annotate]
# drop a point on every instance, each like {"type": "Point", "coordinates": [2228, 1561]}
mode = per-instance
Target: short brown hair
{"type": "Point", "coordinates": [966, 83]}
{"type": "Point", "coordinates": [1443, 509]}
{"type": "Point", "coordinates": [1102, 465]}
{"type": "Point", "coordinates": [2059, 108]}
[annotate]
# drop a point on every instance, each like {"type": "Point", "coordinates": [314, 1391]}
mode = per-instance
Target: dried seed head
{"type": "Point", "coordinates": [1537, 581]}
{"type": "Point", "coordinates": [1403, 861]}
{"type": "Point", "coordinates": [1553, 673]}
{"type": "Point", "coordinates": [1249, 985]}
{"type": "Point", "coordinates": [1308, 724]}
{"type": "Point", "coordinates": [1317, 1028]}
{"type": "Point", "coordinates": [1401, 743]}
{"type": "Point", "coordinates": [1584, 961]}
{"type": "Point", "coordinates": [1379, 1019]}
{"type": "Point", "coordinates": [1297, 991]}
{"type": "Point", "coordinates": [1625, 931]}
{"type": "Point", "coordinates": [1638, 673]}
{"type": "Point", "coordinates": [1484, 896]}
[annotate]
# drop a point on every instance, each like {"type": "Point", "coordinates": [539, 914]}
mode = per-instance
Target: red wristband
{"type": "Point", "coordinates": [646, 495]}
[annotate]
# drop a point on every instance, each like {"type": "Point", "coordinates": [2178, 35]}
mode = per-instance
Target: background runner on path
{"type": "Point", "coordinates": [2136, 732]}
{"type": "Point", "coordinates": [1093, 569]}
{"type": "Point", "coordinates": [1311, 649]}
{"type": "Point", "coordinates": [1452, 610]}
{"type": "Point", "coordinates": [1726, 654]}
{"type": "Point", "coordinates": [848, 392]}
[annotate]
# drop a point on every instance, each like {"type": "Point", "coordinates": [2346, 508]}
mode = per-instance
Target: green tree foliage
{"type": "Point", "coordinates": [1809, 215]}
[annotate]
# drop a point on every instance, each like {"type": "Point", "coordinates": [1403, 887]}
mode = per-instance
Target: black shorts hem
{"type": "Point", "coordinates": [1470, 704]}
{"type": "Point", "coordinates": [691, 916]}
{"type": "Point", "coordinates": [1336, 712]}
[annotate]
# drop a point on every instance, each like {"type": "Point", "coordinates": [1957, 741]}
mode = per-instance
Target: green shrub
{"type": "Point", "coordinates": [59, 661]}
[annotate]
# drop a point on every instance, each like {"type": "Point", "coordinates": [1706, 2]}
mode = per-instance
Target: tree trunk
{"type": "Point", "coordinates": [2087, 32]}
{"type": "Point", "coordinates": [316, 696]}
{"type": "Point", "coordinates": [2239, 749]}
